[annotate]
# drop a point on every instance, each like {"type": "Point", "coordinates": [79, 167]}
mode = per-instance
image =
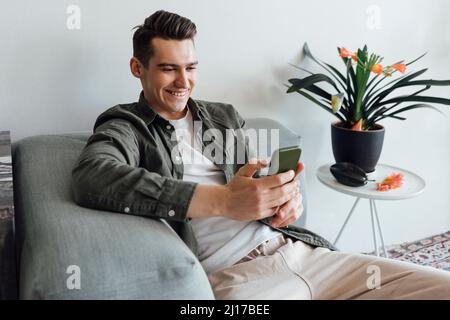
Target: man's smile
{"type": "Point", "coordinates": [178, 93]}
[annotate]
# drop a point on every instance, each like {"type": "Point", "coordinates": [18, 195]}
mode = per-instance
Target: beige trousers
{"type": "Point", "coordinates": [286, 269]}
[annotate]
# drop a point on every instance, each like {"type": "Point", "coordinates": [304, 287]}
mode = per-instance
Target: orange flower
{"type": "Point", "coordinates": [344, 53]}
{"type": "Point", "coordinates": [377, 68]}
{"type": "Point", "coordinates": [394, 181]}
{"type": "Point", "coordinates": [400, 67]}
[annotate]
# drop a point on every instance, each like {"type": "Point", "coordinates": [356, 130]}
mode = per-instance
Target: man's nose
{"type": "Point", "coordinates": [182, 80]}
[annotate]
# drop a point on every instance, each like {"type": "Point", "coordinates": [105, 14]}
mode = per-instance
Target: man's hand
{"type": "Point", "coordinates": [247, 198]}
{"type": "Point", "coordinates": [290, 211]}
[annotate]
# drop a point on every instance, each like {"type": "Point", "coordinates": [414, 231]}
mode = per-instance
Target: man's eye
{"type": "Point", "coordinates": [191, 68]}
{"type": "Point", "coordinates": [168, 69]}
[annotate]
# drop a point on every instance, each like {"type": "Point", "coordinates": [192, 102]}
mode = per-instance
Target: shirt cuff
{"type": "Point", "coordinates": [175, 199]}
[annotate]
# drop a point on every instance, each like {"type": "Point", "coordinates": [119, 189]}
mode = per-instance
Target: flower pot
{"type": "Point", "coordinates": [362, 148]}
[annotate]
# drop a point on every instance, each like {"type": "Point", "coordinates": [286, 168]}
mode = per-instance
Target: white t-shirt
{"type": "Point", "coordinates": [221, 241]}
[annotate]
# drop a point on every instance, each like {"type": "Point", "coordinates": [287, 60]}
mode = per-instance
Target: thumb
{"type": "Point", "coordinates": [250, 168]}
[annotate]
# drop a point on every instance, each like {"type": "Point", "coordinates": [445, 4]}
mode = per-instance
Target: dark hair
{"type": "Point", "coordinates": [161, 24]}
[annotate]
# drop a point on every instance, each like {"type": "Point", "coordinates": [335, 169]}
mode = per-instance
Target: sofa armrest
{"type": "Point", "coordinates": [118, 256]}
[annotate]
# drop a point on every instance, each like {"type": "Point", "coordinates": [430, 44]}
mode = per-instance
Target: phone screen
{"type": "Point", "coordinates": [284, 159]}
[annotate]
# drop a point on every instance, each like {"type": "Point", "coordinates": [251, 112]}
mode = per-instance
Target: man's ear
{"type": "Point", "coordinates": [136, 67]}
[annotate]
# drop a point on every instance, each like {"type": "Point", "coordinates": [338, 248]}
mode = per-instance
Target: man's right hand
{"type": "Point", "coordinates": [246, 198]}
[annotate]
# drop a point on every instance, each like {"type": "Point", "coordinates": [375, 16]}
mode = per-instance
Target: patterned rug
{"type": "Point", "coordinates": [433, 251]}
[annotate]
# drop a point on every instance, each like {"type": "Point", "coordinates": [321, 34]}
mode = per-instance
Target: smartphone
{"type": "Point", "coordinates": [284, 159]}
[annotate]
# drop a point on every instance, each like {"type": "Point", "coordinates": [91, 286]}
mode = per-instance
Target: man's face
{"type": "Point", "coordinates": [170, 77]}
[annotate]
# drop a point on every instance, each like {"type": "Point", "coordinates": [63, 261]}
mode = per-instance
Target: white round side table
{"type": "Point", "coordinates": [412, 186]}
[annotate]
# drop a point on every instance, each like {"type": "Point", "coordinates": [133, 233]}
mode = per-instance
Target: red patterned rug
{"type": "Point", "coordinates": [433, 251]}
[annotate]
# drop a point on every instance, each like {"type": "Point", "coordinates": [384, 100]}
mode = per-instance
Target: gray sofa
{"type": "Point", "coordinates": [118, 256]}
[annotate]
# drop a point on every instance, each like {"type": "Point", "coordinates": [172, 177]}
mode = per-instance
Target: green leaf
{"type": "Point", "coordinates": [326, 108]}
{"type": "Point", "coordinates": [314, 89]}
{"type": "Point", "coordinates": [410, 95]}
{"type": "Point", "coordinates": [300, 68]}
{"type": "Point", "coordinates": [363, 70]}
{"type": "Point", "coordinates": [310, 80]}
{"type": "Point", "coordinates": [336, 71]}
{"type": "Point", "coordinates": [367, 99]}
{"type": "Point", "coordinates": [412, 76]}
{"type": "Point", "coordinates": [418, 99]}
{"type": "Point", "coordinates": [414, 106]}
{"type": "Point", "coordinates": [339, 77]}
{"type": "Point", "coordinates": [308, 53]}
{"type": "Point", "coordinates": [420, 57]}
{"type": "Point", "coordinates": [350, 81]}
{"type": "Point", "coordinates": [426, 82]}
{"type": "Point", "coordinates": [377, 97]}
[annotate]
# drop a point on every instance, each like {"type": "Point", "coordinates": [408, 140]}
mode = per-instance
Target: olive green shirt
{"type": "Point", "coordinates": [126, 165]}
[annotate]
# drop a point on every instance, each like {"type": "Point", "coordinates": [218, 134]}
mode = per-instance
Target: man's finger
{"type": "Point", "coordinates": [249, 169]}
{"type": "Point", "coordinates": [268, 213]}
{"type": "Point", "coordinates": [288, 213]}
{"type": "Point", "coordinates": [297, 212]}
{"type": "Point", "coordinates": [277, 180]}
{"type": "Point", "coordinates": [300, 168]}
{"type": "Point", "coordinates": [273, 194]}
{"type": "Point", "coordinates": [279, 201]}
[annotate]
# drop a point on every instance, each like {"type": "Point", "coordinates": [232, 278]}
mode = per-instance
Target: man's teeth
{"type": "Point", "coordinates": [178, 94]}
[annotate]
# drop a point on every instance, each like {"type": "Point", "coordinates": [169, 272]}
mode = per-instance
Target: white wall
{"type": "Point", "coordinates": [54, 80]}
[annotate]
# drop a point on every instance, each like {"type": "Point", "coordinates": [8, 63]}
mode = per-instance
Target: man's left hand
{"type": "Point", "coordinates": [289, 212]}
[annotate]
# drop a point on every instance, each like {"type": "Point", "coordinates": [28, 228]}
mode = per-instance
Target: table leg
{"type": "Point", "coordinates": [373, 229]}
{"type": "Point", "coordinates": [379, 229]}
{"type": "Point", "coordinates": [346, 220]}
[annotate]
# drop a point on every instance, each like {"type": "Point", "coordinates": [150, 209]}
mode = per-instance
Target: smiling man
{"type": "Point", "coordinates": [169, 77]}
{"type": "Point", "coordinates": [240, 227]}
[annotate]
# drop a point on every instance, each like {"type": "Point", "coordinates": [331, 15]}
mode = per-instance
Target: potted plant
{"type": "Point", "coordinates": [361, 97]}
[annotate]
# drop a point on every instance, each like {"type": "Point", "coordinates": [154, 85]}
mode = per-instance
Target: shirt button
{"type": "Point", "coordinates": [168, 127]}
{"type": "Point", "coordinates": [171, 213]}
{"type": "Point", "coordinates": [126, 209]}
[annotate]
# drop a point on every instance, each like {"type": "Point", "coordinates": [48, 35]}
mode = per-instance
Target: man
{"type": "Point", "coordinates": [139, 161]}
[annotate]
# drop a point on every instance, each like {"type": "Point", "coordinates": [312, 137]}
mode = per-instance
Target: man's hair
{"type": "Point", "coordinates": [161, 24]}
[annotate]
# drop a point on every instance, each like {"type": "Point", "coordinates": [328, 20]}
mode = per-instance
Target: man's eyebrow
{"type": "Point", "coordinates": [164, 64]}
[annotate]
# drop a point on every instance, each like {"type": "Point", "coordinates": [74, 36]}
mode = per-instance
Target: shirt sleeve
{"type": "Point", "coordinates": [107, 176]}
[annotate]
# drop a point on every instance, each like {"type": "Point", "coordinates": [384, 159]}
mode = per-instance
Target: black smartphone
{"type": "Point", "coordinates": [284, 159]}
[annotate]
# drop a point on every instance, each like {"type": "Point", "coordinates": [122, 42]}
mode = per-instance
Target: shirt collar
{"type": "Point", "coordinates": [149, 115]}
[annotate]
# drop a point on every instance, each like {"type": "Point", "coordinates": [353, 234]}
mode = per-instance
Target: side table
{"type": "Point", "coordinates": [413, 185]}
